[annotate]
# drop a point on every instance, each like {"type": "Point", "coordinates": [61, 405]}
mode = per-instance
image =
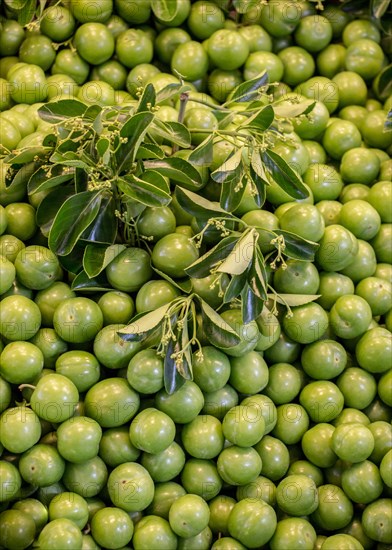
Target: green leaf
{"type": "Point", "coordinates": [27, 154]}
{"type": "Point", "coordinates": [67, 145]}
{"type": "Point", "coordinates": [22, 176]}
{"type": "Point", "coordinates": [284, 175]}
{"type": "Point", "coordinates": [177, 169]}
{"type": "Point", "coordinates": [92, 112]}
{"type": "Point", "coordinates": [230, 175]}
{"type": "Point", "coordinates": [165, 10]}
{"type": "Point", "coordinates": [73, 262]}
{"type": "Point", "coordinates": [97, 257]}
{"type": "Point", "coordinates": [26, 14]}
{"type": "Point", "coordinates": [42, 180]}
{"type": "Point", "coordinates": [81, 180]}
{"type": "Point", "coordinates": [218, 332]}
{"type": "Point", "coordinates": [184, 285]}
{"type": "Point", "coordinates": [262, 120]}
{"type": "Point", "coordinates": [241, 256]}
{"type": "Point", "coordinates": [172, 378]}
{"type": "Point", "coordinates": [133, 208]}
{"type": "Point", "coordinates": [198, 206]}
{"type": "Point", "coordinates": [383, 83]}
{"type": "Point", "coordinates": [297, 247]}
{"type": "Point", "coordinates": [203, 153]}
{"type": "Point", "coordinates": [50, 205]}
{"type": "Point", "coordinates": [103, 229]}
{"type": "Point", "coordinates": [355, 6]}
{"type": "Point", "coordinates": [388, 122]}
{"type": "Point", "coordinates": [203, 266]}
{"type": "Point", "coordinates": [133, 131]}
{"type": "Point", "coordinates": [58, 111]}
{"type": "Point", "coordinates": [290, 108]}
{"type": "Point", "coordinates": [147, 99]}
{"type": "Point", "coordinates": [171, 91]}
{"type": "Point", "coordinates": [379, 7]}
{"type": "Point", "coordinates": [174, 132]}
{"type": "Point", "coordinates": [103, 149]}
{"type": "Point", "coordinates": [257, 276]}
{"type": "Point", "coordinates": [74, 216]}
{"type": "Point", "coordinates": [141, 325]}
{"type": "Point", "coordinates": [149, 151]}
{"type": "Point", "coordinates": [15, 5]}
{"type": "Point", "coordinates": [186, 368]}
{"type": "Point", "coordinates": [150, 189]}
{"type": "Point", "coordinates": [260, 185]}
{"type": "Point", "coordinates": [234, 288]}
{"type": "Point", "coordinates": [249, 90]}
{"type": "Point", "coordinates": [71, 159]}
{"type": "Point", "coordinates": [90, 284]}
{"type": "Point", "coordinates": [293, 300]}
{"type": "Point", "coordinates": [251, 305]}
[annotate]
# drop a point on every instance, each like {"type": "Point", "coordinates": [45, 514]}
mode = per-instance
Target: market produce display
{"type": "Point", "coordinates": [195, 275]}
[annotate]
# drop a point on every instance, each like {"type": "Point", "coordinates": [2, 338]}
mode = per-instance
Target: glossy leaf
{"type": "Point", "coordinates": [235, 286]}
{"type": "Point", "coordinates": [103, 230]}
{"type": "Point", "coordinates": [150, 189]}
{"type": "Point", "coordinates": [293, 300]}
{"type": "Point", "coordinates": [133, 131]}
{"type": "Point", "coordinates": [43, 179]}
{"type": "Point", "coordinates": [249, 90]}
{"type": "Point", "coordinates": [260, 185]}
{"type": "Point", "coordinates": [81, 180]}
{"type": "Point", "coordinates": [174, 132]}
{"type": "Point", "coordinates": [147, 99]}
{"type": "Point", "coordinates": [284, 175]}
{"type": "Point", "coordinates": [22, 176]}
{"type": "Point", "coordinates": [27, 154]}
{"type": "Point", "coordinates": [383, 83]}
{"type": "Point", "coordinates": [177, 169]}
{"type": "Point", "coordinates": [15, 4]}
{"type": "Point", "coordinates": [73, 262]}
{"type": "Point", "coordinates": [169, 92]}
{"type": "Point", "coordinates": [149, 151]}
{"type": "Point", "coordinates": [257, 276]}
{"type": "Point", "coordinates": [57, 111]}
{"type": "Point", "coordinates": [218, 332]}
{"type": "Point", "coordinates": [198, 206]}
{"type": "Point", "coordinates": [202, 155]}
{"type": "Point", "coordinates": [26, 14]}
{"type": "Point", "coordinates": [72, 159]}
{"type": "Point", "coordinates": [186, 367]}
{"type": "Point", "coordinates": [97, 257]}
{"type": "Point", "coordinates": [241, 256]}
{"type": "Point", "coordinates": [251, 305]}
{"type": "Point", "coordinates": [262, 120]}
{"type": "Point", "coordinates": [165, 10]}
{"type": "Point", "coordinates": [203, 266]}
{"type": "Point", "coordinates": [184, 285]}
{"type": "Point", "coordinates": [142, 324]}
{"type": "Point", "coordinates": [103, 149]}
{"type": "Point", "coordinates": [297, 247]}
{"type": "Point", "coordinates": [388, 122]}
{"type": "Point", "coordinates": [172, 378]}
{"type": "Point", "coordinates": [73, 217]}
{"type": "Point", "coordinates": [229, 168]}
{"type": "Point", "coordinates": [352, 6]}
{"type": "Point", "coordinates": [49, 207]}
{"type": "Point", "coordinates": [84, 283]}
{"type": "Point", "coordinates": [291, 108]}
{"type": "Point", "coordinates": [230, 176]}
{"type": "Point", "coordinates": [379, 7]}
